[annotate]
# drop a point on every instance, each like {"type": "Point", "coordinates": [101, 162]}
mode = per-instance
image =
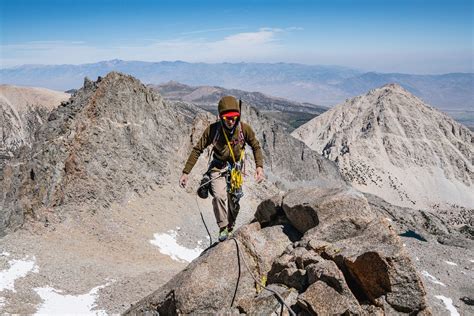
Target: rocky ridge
{"type": "Point", "coordinates": [115, 138]}
{"type": "Point", "coordinates": [80, 153]}
{"type": "Point", "coordinates": [391, 144]}
{"type": "Point", "coordinates": [324, 250]}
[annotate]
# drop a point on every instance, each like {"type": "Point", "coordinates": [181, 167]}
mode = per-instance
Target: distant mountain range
{"type": "Point", "coordinates": [322, 85]}
{"type": "Point", "coordinates": [291, 114]}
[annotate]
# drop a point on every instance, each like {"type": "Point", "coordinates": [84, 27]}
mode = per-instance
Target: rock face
{"type": "Point", "coordinates": [352, 263]}
{"type": "Point", "coordinates": [391, 144]}
{"type": "Point", "coordinates": [289, 162]}
{"type": "Point", "coordinates": [22, 111]}
{"type": "Point", "coordinates": [114, 138]}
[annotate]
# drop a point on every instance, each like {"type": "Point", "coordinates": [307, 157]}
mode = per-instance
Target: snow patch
{"type": "Point", "coordinates": [449, 304]}
{"type": "Point", "coordinates": [472, 261]}
{"type": "Point", "coordinates": [451, 263]}
{"type": "Point", "coordinates": [168, 246]}
{"type": "Point", "coordinates": [5, 254]}
{"type": "Point", "coordinates": [18, 269]}
{"type": "Point", "coordinates": [432, 278]}
{"type": "Point", "coordinates": [56, 303]}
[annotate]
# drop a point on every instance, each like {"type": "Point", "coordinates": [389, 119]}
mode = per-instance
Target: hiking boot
{"type": "Point", "coordinates": [223, 234]}
{"type": "Point", "coordinates": [230, 229]}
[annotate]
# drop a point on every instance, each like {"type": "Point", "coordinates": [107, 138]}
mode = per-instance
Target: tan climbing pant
{"type": "Point", "coordinates": [225, 208]}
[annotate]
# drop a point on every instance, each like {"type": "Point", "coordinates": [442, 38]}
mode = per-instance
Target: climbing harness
{"type": "Point", "coordinates": [235, 178]}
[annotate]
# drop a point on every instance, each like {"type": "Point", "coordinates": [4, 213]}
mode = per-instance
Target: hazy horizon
{"type": "Point", "coordinates": [402, 36]}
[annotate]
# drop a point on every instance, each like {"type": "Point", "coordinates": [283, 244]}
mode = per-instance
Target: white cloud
{"type": "Point", "coordinates": [263, 36]}
{"type": "Point", "coordinates": [260, 45]}
{"type": "Point", "coordinates": [214, 30]}
{"type": "Point", "coordinates": [294, 28]}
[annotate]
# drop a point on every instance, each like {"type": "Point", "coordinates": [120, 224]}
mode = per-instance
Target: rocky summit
{"type": "Point", "coordinates": [325, 251]}
{"type": "Point", "coordinates": [390, 143]}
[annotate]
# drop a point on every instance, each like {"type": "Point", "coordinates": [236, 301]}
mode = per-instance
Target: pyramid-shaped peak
{"type": "Point", "coordinates": [393, 86]}
{"type": "Point", "coordinates": [388, 142]}
{"type": "Point", "coordinates": [115, 76]}
{"type": "Point", "coordinates": [114, 89]}
{"type": "Point", "coordinates": [390, 88]}
{"type": "Point", "coordinates": [111, 77]}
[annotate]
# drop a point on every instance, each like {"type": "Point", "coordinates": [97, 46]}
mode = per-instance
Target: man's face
{"type": "Point", "coordinates": [229, 121]}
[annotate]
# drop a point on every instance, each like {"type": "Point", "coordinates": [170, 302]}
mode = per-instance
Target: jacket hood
{"type": "Point", "coordinates": [228, 103]}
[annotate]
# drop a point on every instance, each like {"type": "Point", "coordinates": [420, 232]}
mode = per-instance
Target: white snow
{"type": "Point", "coordinates": [449, 304]}
{"type": "Point", "coordinates": [472, 261]}
{"type": "Point", "coordinates": [56, 303]}
{"type": "Point", "coordinates": [5, 254]}
{"type": "Point", "coordinates": [17, 269]}
{"type": "Point", "coordinates": [451, 263]}
{"type": "Point", "coordinates": [168, 246]}
{"type": "Point", "coordinates": [432, 278]}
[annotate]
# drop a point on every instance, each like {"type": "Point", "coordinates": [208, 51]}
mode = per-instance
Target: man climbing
{"type": "Point", "coordinates": [228, 136]}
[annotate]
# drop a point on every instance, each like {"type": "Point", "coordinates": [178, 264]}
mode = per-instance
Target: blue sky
{"type": "Point", "coordinates": [410, 36]}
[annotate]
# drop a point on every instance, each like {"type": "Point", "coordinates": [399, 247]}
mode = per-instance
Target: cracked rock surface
{"type": "Point", "coordinates": [364, 272]}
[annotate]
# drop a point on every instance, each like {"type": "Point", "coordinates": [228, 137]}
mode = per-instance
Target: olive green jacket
{"type": "Point", "coordinates": [214, 135]}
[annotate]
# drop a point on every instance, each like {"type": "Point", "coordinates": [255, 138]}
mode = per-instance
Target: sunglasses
{"type": "Point", "coordinates": [230, 118]}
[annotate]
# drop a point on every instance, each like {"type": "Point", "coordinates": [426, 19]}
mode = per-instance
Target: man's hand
{"type": "Point", "coordinates": [183, 180]}
{"type": "Point", "coordinates": [259, 175]}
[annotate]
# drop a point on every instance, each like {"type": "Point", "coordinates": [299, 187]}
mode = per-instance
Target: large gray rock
{"type": "Point", "coordinates": [336, 212]}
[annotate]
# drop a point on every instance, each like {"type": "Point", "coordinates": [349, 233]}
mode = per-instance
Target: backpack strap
{"type": "Point", "coordinates": [216, 136]}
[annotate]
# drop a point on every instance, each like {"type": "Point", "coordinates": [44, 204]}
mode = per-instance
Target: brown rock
{"type": "Point", "coordinates": [210, 281]}
{"type": "Point", "coordinates": [266, 303]}
{"type": "Point", "coordinates": [321, 299]}
{"type": "Point", "coordinates": [380, 267]}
